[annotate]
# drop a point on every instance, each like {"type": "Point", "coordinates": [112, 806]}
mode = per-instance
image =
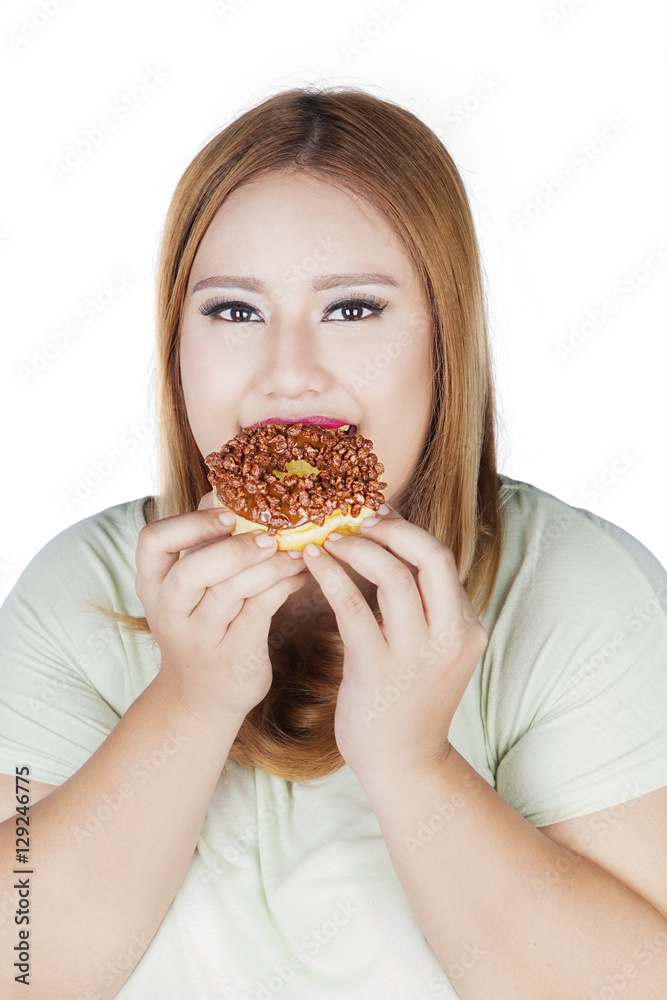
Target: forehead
{"type": "Point", "coordinates": [282, 192]}
{"type": "Point", "coordinates": [290, 210]}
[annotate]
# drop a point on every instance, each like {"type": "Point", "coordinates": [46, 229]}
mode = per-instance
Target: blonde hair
{"type": "Point", "coordinates": [383, 152]}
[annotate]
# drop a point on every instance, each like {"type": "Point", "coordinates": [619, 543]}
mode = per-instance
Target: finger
{"type": "Point", "coordinates": [188, 580]}
{"type": "Point", "coordinates": [356, 622]}
{"type": "Point", "coordinates": [207, 502]}
{"type": "Point", "coordinates": [245, 649]}
{"type": "Point", "coordinates": [253, 621]}
{"type": "Point", "coordinates": [398, 595]}
{"type": "Point", "coordinates": [437, 575]}
{"type": "Point", "coordinates": [221, 603]}
{"type": "Point", "coordinates": [334, 536]}
{"type": "Point", "coordinates": [161, 542]}
{"type": "Point", "coordinates": [184, 585]}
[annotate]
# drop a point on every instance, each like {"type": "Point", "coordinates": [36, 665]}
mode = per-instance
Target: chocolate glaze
{"type": "Point", "coordinates": [348, 476]}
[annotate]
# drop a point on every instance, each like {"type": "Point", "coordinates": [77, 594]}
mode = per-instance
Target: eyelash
{"type": "Point", "coordinates": [213, 306]}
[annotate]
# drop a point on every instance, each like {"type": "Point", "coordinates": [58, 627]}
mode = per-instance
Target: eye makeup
{"type": "Point", "coordinates": [216, 305]}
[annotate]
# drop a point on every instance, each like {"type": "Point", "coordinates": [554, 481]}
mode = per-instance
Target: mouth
{"type": "Point", "coordinates": [329, 423]}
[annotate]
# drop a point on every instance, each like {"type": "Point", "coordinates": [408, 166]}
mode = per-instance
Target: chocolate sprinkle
{"type": "Point", "coordinates": [348, 477]}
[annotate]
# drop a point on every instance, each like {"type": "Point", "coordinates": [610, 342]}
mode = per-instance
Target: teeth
{"type": "Point", "coordinates": [345, 427]}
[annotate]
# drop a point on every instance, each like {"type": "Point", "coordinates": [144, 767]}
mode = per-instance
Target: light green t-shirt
{"type": "Point", "coordinates": [291, 891]}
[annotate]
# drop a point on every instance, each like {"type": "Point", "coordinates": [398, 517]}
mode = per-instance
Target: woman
{"type": "Point", "coordinates": [426, 761]}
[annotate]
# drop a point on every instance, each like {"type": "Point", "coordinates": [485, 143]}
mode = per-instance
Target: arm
{"type": "Point", "coordinates": [508, 910]}
{"type": "Point", "coordinates": [102, 888]}
{"type": "Point", "coordinates": [120, 873]}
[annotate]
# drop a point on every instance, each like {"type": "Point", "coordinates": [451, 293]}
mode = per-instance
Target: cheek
{"type": "Point", "coordinates": [394, 363]}
{"type": "Point", "coordinates": [210, 388]}
{"type": "Point", "coordinates": [196, 379]}
{"type": "Point", "coordinates": [396, 381]}
{"type": "Point", "coordinates": [398, 400]}
{"type": "Point", "coordinates": [398, 431]}
{"type": "Point", "coordinates": [209, 367]}
{"type": "Point", "coordinates": [415, 373]}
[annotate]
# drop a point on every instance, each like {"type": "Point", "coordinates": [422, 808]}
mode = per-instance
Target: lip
{"type": "Point", "coordinates": [319, 419]}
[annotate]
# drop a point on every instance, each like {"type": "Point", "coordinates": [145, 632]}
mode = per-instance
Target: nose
{"type": "Point", "coordinates": [294, 364]}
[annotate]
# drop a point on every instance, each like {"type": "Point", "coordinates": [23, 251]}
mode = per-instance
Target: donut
{"type": "Point", "coordinates": [297, 481]}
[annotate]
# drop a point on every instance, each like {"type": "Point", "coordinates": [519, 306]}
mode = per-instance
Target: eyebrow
{"type": "Point", "coordinates": [317, 284]}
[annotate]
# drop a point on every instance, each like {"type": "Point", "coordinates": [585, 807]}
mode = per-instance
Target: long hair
{"type": "Point", "coordinates": [383, 152]}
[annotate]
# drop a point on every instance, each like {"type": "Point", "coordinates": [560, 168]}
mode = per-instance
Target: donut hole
{"type": "Point", "coordinates": [297, 466]}
{"type": "Point", "coordinates": [298, 477]}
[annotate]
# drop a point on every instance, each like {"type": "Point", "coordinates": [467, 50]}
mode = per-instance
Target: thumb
{"type": "Point", "coordinates": [207, 501]}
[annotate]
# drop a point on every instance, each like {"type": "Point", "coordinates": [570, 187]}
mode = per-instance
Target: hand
{"type": "Point", "coordinates": [209, 598]}
{"type": "Point", "coordinates": [403, 678]}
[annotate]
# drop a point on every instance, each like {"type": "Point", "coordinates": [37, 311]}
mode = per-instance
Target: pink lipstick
{"type": "Point", "coordinates": [321, 421]}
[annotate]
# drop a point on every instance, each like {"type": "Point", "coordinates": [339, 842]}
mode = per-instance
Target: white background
{"type": "Point", "coordinates": [537, 87]}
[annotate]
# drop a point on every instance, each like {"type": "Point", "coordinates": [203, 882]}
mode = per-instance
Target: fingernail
{"type": "Point", "coordinates": [383, 509]}
{"type": "Point", "coordinates": [227, 517]}
{"type": "Point", "coordinates": [368, 521]}
{"type": "Point", "coordinates": [312, 550]}
{"type": "Point", "coordinates": [295, 553]}
{"type": "Point", "coordinates": [265, 540]}
{"type": "Point", "coordinates": [334, 536]}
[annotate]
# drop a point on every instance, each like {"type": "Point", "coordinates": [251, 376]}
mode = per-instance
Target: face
{"type": "Point", "coordinates": [302, 303]}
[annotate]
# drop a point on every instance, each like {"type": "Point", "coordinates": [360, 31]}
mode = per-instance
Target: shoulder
{"type": "Point", "coordinates": [561, 546]}
{"type": "Point", "coordinates": [86, 558]}
{"type": "Point", "coordinates": [109, 532]}
{"type": "Point", "coordinates": [66, 673]}
{"type": "Point", "coordinates": [573, 590]}
{"type": "Point", "coordinates": [573, 680]}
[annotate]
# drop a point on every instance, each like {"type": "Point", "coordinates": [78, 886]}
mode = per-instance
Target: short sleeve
{"type": "Point", "coordinates": [578, 683]}
{"type": "Point", "coordinates": [65, 676]}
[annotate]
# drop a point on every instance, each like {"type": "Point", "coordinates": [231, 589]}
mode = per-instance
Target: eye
{"type": "Point", "coordinates": [373, 305]}
{"type": "Point", "coordinates": [240, 312]}
{"type": "Point", "coordinates": [213, 307]}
